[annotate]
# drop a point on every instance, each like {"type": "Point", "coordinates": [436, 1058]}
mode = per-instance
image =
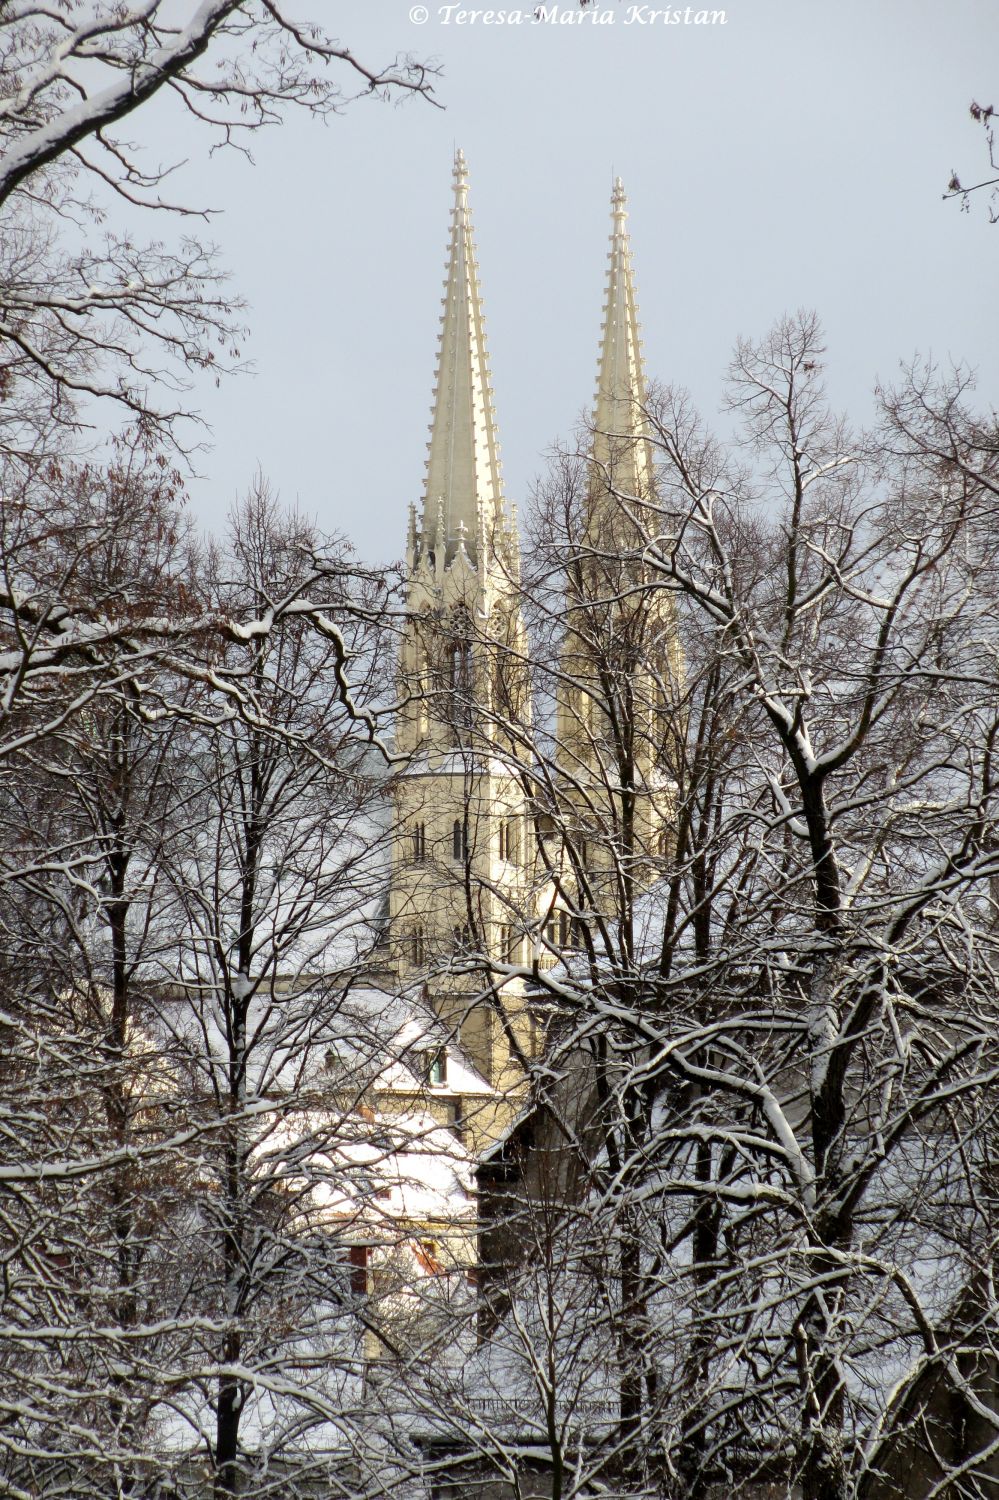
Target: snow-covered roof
{"type": "Point", "coordinates": [377, 1171]}
{"type": "Point", "coordinates": [456, 763]}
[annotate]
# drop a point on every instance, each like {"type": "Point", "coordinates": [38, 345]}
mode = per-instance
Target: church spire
{"type": "Point", "coordinates": [463, 501]}
{"type": "Point", "coordinates": [620, 443]}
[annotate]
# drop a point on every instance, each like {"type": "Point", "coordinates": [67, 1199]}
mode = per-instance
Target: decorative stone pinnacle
{"type": "Point", "coordinates": [460, 173]}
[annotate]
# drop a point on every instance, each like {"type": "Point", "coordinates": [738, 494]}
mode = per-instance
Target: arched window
{"type": "Point", "coordinates": [458, 682]}
{"type": "Point", "coordinates": [459, 840]}
{"type": "Point", "coordinates": [459, 658]}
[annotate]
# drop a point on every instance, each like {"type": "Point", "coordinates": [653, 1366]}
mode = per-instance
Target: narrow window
{"type": "Point", "coordinates": [509, 945]}
{"type": "Point", "coordinates": [359, 1270]}
{"type": "Point", "coordinates": [424, 682]}
{"type": "Point", "coordinates": [459, 840]}
{"type": "Point", "coordinates": [557, 929]}
{"type": "Point", "coordinates": [459, 666]}
{"type": "Point", "coordinates": [419, 843]}
{"type": "Point", "coordinates": [509, 840]}
{"type": "Point", "coordinates": [417, 947]}
{"type": "Point", "coordinates": [458, 675]}
{"type": "Point", "coordinates": [462, 938]}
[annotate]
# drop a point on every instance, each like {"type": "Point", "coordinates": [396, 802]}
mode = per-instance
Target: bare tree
{"type": "Point", "coordinates": [983, 115]}
{"type": "Point", "coordinates": [276, 875]}
{"type": "Point", "coordinates": [193, 873]}
{"type": "Point", "coordinates": [122, 321]}
{"type": "Point", "coordinates": [771, 1050]}
{"type": "Point", "coordinates": [91, 1100]}
{"type": "Point", "coordinates": [73, 635]}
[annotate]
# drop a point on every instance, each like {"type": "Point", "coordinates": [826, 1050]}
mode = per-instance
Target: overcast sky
{"type": "Point", "coordinates": [793, 157]}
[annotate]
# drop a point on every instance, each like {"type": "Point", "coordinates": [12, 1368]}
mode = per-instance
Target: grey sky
{"type": "Point", "coordinates": [793, 157]}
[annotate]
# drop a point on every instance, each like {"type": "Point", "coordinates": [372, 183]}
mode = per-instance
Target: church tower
{"type": "Point", "coordinates": [621, 455]}
{"type": "Point", "coordinates": [460, 848]}
{"type": "Point", "coordinates": [620, 654]}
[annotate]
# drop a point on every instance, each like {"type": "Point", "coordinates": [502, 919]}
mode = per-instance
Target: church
{"type": "Point", "coordinates": [490, 867]}
{"type": "Point", "coordinates": [508, 835]}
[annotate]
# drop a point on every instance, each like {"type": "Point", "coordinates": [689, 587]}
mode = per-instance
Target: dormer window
{"type": "Point", "coordinates": [435, 1067]}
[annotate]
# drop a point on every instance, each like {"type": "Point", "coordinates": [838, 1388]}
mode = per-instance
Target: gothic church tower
{"type": "Point", "coordinates": [620, 653]}
{"type": "Point", "coordinates": [460, 847]}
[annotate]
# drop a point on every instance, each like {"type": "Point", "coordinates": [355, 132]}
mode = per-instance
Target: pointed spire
{"type": "Point", "coordinates": [463, 469]}
{"type": "Point", "coordinates": [620, 433]}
